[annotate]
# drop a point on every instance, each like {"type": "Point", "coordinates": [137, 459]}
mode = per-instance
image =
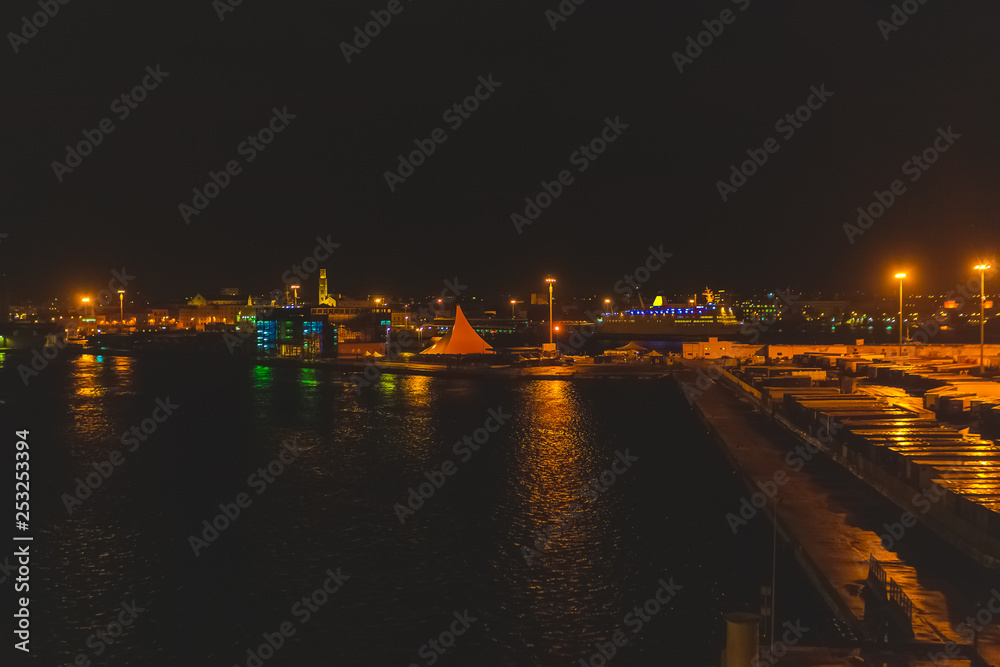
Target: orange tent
{"type": "Point", "coordinates": [462, 339]}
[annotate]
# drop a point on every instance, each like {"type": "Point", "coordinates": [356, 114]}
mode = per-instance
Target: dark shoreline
{"type": "Point", "coordinates": [642, 371]}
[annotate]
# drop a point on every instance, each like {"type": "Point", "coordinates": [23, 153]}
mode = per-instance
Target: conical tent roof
{"type": "Point", "coordinates": [462, 339]}
{"type": "Point", "coordinates": [633, 346]}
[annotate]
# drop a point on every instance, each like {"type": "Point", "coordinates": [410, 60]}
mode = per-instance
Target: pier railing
{"type": "Point", "coordinates": [893, 592]}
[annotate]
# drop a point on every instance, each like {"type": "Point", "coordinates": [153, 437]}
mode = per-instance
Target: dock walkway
{"type": "Point", "coordinates": [834, 551]}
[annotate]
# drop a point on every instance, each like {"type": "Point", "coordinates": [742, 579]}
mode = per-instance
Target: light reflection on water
{"type": "Point", "coordinates": [94, 381]}
{"type": "Point", "coordinates": [568, 583]}
{"type": "Point", "coordinates": [334, 507]}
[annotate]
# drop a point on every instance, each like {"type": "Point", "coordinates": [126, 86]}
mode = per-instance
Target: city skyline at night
{"type": "Point", "coordinates": [885, 101]}
{"type": "Point", "coordinates": [536, 333]}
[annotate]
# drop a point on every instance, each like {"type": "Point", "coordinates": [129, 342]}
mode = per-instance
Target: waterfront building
{"type": "Point", "coordinates": [294, 332]}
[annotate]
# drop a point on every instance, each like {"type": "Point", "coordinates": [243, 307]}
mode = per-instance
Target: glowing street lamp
{"type": "Point", "coordinates": [121, 305]}
{"type": "Point", "coordinates": [607, 305]}
{"type": "Point", "coordinates": [900, 276]}
{"type": "Point", "coordinates": [513, 302]}
{"type": "Point", "coordinates": [550, 281]}
{"type": "Point", "coordinates": [86, 307]}
{"type": "Point", "coordinates": [295, 295]}
{"type": "Point", "coordinates": [982, 268]}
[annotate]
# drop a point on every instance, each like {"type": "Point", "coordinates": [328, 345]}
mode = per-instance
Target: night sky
{"type": "Point", "coordinates": [324, 174]}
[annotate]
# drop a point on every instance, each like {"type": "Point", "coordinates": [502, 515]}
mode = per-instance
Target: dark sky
{"type": "Point", "coordinates": [655, 185]}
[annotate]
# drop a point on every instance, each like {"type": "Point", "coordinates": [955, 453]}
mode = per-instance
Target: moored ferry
{"type": "Point", "coordinates": [672, 320]}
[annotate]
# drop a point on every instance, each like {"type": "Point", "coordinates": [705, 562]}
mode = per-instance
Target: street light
{"type": "Point", "coordinates": [295, 295]}
{"type": "Point", "coordinates": [982, 315]}
{"type": "Point", "coordinates": [86, 306]}
{"type": "Point", "coordinates": [550, 281]}
{"type": "Point", "coordinates": [121, 305]}
{"type": "Point", "coordinates": [900, 276]}
{"type": "Point", "coordinates": [513, 302]}
{"type": "Point", "coordinates": [607, 305]}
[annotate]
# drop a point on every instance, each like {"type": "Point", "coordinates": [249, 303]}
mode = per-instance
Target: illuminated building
{"type": "Point", "coordinates": [324, 295]}
{"type": "Point", "coordinates": [293, 332]}
{"type": "Point", "coordinates": [201, 312]}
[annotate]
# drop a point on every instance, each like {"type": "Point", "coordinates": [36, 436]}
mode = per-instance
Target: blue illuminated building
{"type": "Point", "coordinates": [294, 332]}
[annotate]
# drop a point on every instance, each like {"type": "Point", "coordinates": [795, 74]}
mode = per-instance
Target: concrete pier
{"type": "Point", "coordinates": [832, 549]}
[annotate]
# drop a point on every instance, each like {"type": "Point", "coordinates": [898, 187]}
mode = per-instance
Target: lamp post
{"type": "Point", "coordinates": [121, 307]}
{"type": "Point", "coordinates": [550, 281]}
{"type": "Point", "coordinates": [900, 276]}
{"type": "Point", "coordinates": [607, 305]}
{"type": "Point", "coordinates": [86, 307]}
{"type": "Point", "coordinates": [513, 302]}
{"type": "Point", "coordinates": [982, 316]}
{"type": "Point", "coordinates": [295, 295]}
